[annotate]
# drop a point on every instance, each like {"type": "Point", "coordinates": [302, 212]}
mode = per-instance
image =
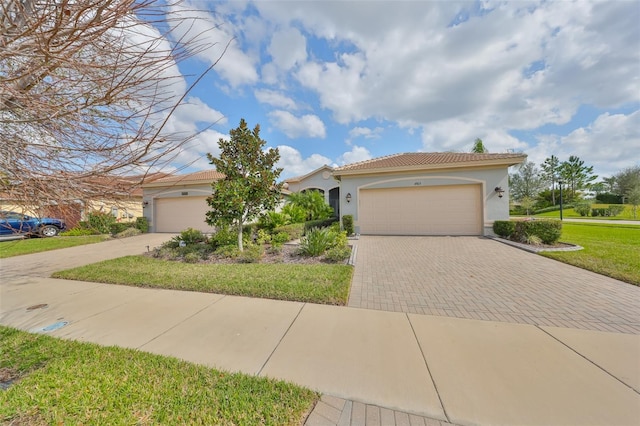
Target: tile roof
{"type": "Point", "coordinates": [202, 176]}
{"type": "Point", "coordinates": [302, 177]}
{"type": "Point", "coordinates": [418, 160]}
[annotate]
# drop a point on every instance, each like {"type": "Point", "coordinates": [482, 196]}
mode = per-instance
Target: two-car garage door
{"type": "Point", "coordinates": [421, 210]}
{"type": "Point", "coordinates": [179, 213]}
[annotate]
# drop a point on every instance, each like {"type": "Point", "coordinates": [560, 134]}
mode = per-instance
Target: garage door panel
{"type": "Point", "coordinates": [179, 213]}
{"type": "Point", "coordinates": [439, 210]}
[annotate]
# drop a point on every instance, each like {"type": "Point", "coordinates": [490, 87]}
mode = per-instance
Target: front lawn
{"type": "Point", "coordinates": [609, 249]}
{"type": "Point", "coordinates": [627, 214]}
{"type": "Point", "coordinates": [65, 382]}
{"type": "Point", "coordinates": [326, 284]}
{"type": "Point", "coordinates": [36, 245]}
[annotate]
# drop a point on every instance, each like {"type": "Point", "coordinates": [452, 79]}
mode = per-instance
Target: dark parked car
{"type": "Point", "coordinates": [12, 223]}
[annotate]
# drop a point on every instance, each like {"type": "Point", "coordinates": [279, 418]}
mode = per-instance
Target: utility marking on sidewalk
{"type": "Point", "coordinates": [52, 327]}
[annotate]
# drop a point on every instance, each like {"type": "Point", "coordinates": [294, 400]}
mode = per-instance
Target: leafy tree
{"type": "Point", "coordinates": [550, 170]}
{"type": "Point", "coordinates": [527, 204]}
{"type": "Point", "coordinates": [576, 174]}
{"type": "Point", "coordinates": [610, 184]}
{"type": "Point", "coordinates": [633, 196]}
{"type": "Point", "coordinates": [313, 203]}
{"type": "Point", "coordinates": [527, 182]}
{"type": "Point", "coordinates": [626, 180]}
{"type": "Point", "coordinates": [249, 186]}
{"type": "Point", "coordinates": [478, 147]}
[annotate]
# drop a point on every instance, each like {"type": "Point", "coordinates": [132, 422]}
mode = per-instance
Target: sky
{"type": "Point", "coordinates": [336, 82]}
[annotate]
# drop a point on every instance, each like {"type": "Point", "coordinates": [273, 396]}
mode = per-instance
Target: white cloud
{"type": "Point", "coordinates": [288, 48]}
{"type": "Point", "coordinates": [365, 132]}
{"type": "Point", "coordinates": [274, 98]}
{"type": "Point", "coordinates": [459, 135]}
{"type": "Point", "coordinates": [294, 165]}
{"type": "Point", "coordinates": [294, 127]}
{"type": "Point", "coordinates": [357, 153]}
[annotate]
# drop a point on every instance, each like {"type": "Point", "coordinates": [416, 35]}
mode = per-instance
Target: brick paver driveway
{"type": "Point", "coordinates": [478, 278]}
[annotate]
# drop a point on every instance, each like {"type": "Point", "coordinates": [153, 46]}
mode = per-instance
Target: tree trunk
{"type": "Point", "coordinates": [240, 247]}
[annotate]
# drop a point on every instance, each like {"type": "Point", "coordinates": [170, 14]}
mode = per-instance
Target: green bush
{"type": "Point", "coordinates": [118, 227]}
{"type": "Point", "coordinates": [272, 220]}
{"type": "Point", "coordinates": [263, 237]}
{"type": "Point", "coordinates": [294, 230]}
{"type": "Point", "coordinates": [549, 231]}
{"type": "Point", "coordinates": [608, 198]}
{"type": "Point", "coordinates": [615, 209]}
{"type": "Point", "coordinates": [554, 208]}
{"type": "Point", "coordinates": [294, 213]}
{"type": "Point", "coordinates": [192, 236]}
{"type": "Point", "coordinates": [599, 212]}
{"type": "Point", "coordinates": [316, 242]}
{"type": "Point", "coordinates": [231, 251]}
{"type": "Point", "coordinates": [279, 239]}
{"type": "Point", "coordinates": [128, 232]}
{"type": "Point", "coordinates": [583, 209]}
{"type": "Point", "coordinates": [224, 236]}
{"type": "Point", "coordinates": [347, 224]}
{"type": "Point", "coordinates": [142, 224]}
{"type": "Point", "coordinates": [101, 222]}
{"type": "Point", "coordinates": [504, 228]}
{"type": "Point", "coordinates": [252, 253]}
{"type": "Point", "coordinates": [339, 253]}
{"type": "Point", "coordinates": [322, 223]}
{"type": "Point", "coordinates": [192, 257]}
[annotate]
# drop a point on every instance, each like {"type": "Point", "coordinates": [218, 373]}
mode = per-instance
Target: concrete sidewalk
{"type": "Point", "coordinates": [455, 370]}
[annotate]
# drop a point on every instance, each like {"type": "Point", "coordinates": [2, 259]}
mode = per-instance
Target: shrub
{"type": "Point", "coordinates": [294, 230]}
{"type": "Point", "coordinates": [549, 231]}
{"type": "Point", "coordinates": [129, 232]}
{"type": "Point", "coordinates": [224, 236]}
{"type": "Point", "coordinates": [316, 242]}
{"type": "Point", "coordinates": [191, 236]}
{"type": "Point", "coordinates": [142, 224]}
{"type": "Point", "coordinates": [599, 212]}
{"type": "Point", "coordinates": [615, 209]}
{"type": "Point", "coordinates": [101, 222]}
{"type": "Point", "coordinates": [192, 257]}
{"type": "Point", "coordinates": [534, 240]}
{"type": "Point", "coordinates": [583, 209]}
{"type": "Point", "coordinates": [322, 223]}
{"type": "Point", "coordinates": [118, 227]}
{"type": "Point", "coordinates": [294, 213]}
{"type": "Point", "coordinates": [554, 208]}
{"type": "Point", "coordinates": [339, 253]}
{"type": "Point", "coordinates": [608, 198]}
{"type": "Point", "coordinates": [504, 228]}
{"type": "Point", "coordinates": [272, 220]}
{"type": "Point", "coordinates": [231, 251]}
{"type": "Point", "coordinates": [263, 237]}
{"type": "Point", "coordinates": [347, 224]}
{"type": "Point", "coordinates": [279, 239]}
{"type": "Point", "coordinates": [251, 254]}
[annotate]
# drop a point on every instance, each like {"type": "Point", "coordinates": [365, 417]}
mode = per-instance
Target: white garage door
{"type": "Point", "coordinates": [423, 210]}
{"type": "Point", "coordinates": [180, 213]}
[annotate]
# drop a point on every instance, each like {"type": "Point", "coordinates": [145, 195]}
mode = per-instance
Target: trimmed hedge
{"type": "Point", "coordinates": [549, 231]}
{"type": "Point", "coordinates": [565, 206]}
{"type": "Point", "coordinates": [504, 228]}
{"type": "Point", "coordinates": [347, 224]}
{"type": "Point", "coordinates": [320, 223]}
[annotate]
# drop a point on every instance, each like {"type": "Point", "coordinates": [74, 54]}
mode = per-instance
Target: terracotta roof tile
{"type": "Point", "coordinates": [205, 176]}
{"type": "Point", "coordinates": [414, 160]}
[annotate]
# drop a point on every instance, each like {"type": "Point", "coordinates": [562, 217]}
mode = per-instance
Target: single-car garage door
{"type": "Point", "coordinates": [179, 213]}
{"type": "Point", "coordinates": [423, 210]}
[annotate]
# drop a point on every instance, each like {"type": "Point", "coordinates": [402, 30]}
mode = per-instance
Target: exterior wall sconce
{"type": "Point", "coordinates": [145, 204]}
{"type": "Point", "coordinates": [348, 197]}
{"type": "Point", "coordinates": [500, 191]}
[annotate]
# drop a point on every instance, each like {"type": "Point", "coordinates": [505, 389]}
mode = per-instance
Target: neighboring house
{"type": "Point", "coordinates": [175, 203]}
{"type": "Point", "coordinates": [321, 180]}
{"type": "Point", "coordinates": [427, 193]}
{"type": "Point", "coordinates": [124, 200]}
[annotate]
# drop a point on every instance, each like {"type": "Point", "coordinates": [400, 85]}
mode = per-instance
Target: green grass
{"type": "Point", "coordinates": [36, 245]}
{"type": "Point", "coordinates": [609, 249]}
{"type": "Point", "coordinates": [627, 214]}
{"type": "Point", "coordinates": [326, 284]}
{"type": "Point", "coordinates": [66, 382]}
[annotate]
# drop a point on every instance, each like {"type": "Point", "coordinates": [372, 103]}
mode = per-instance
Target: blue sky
{"type": "Point", "coordinates": [334, 82]}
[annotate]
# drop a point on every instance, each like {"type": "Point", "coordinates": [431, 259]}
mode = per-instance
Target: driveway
{"type": "Point", "coordinates": [479, 278]}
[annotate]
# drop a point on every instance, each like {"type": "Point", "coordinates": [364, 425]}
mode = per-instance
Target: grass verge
{"type": "Point", "coordinates": [66, 382]}
{"type": "Point", "coordinates": [326, 284]}
{"type": "Point", "coordinates": [609, 249]}
{"type": "Point", "coordinates": [627, 214]}
{"type": "Point", "coordinates": [36, 245]}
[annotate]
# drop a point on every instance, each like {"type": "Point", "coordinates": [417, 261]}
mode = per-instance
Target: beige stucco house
{"type": "Point", "coordinates": [321, 180]}
{"type": "Point", "coordinates": [427, 193]}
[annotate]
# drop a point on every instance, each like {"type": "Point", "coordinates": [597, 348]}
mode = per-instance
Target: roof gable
{"type": "Point", "coordinates": [308, 175]}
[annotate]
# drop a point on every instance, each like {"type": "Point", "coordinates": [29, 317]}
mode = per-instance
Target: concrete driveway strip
{"type": "Point", "coordinates": [618, 354]}
{"type": "Point", "coordinates": [358, 354]}
{"type": "Point", "coordinates": [508, 374]}
{"type": "Point", "coordinates": [233, 334]}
